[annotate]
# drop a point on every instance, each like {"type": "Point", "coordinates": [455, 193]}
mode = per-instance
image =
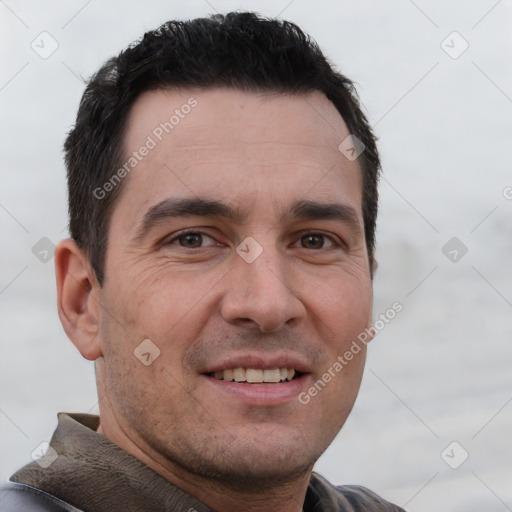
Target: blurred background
{"type": "Point", "coordinates": [431, 429]}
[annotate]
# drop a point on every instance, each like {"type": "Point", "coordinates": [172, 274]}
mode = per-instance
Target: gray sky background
{"type": "Point", "coordinates": [440, 372]}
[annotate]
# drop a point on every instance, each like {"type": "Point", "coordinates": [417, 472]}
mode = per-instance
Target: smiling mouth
{"type": "Point", "coordinates": [257, 376]}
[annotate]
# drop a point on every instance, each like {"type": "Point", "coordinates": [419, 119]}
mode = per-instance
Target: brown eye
{"type": "Point", "coordinates": [191, 240]}
{"type": "Point", "coordinates": [312, 241]}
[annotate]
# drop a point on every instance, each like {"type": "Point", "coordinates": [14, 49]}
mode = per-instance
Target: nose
{"type": "Point", "coordinates": [260, 295]}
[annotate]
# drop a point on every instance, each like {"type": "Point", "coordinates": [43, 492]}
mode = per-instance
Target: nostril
{"type": "Point", "coordinates": [245, 321]}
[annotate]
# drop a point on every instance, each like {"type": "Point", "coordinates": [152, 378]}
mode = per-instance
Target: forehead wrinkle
{"type": "Point", "coordinates": [251, 142]}
{"type": "Point", "coordinates": [193, 157]}
{"type": "Point", "coordinates": [315, 154]}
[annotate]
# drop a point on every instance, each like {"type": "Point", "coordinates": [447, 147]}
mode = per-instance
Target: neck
{"type": "Point", "coordinates": [285, 496]}
{"type": "Point", "coordinates": [224, 498]}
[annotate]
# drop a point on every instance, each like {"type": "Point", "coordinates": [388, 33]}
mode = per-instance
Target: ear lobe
{"type": "Point", "coordinates": [78, 298]}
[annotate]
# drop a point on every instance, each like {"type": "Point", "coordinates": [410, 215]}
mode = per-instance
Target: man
{"type": "Point", "coordinates": [223, 198]}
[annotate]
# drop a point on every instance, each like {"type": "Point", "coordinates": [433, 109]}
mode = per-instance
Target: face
{"type": "Point", "coordinates": [237, 247]}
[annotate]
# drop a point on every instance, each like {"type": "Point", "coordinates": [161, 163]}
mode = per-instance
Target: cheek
{"type": "Point", "coordinates": [343, 303]}
{"type": "Point", "coordinates": [164, 303]}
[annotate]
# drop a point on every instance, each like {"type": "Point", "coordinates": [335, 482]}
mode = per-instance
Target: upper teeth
{"type": "Point", "coordinates": [254, 375]}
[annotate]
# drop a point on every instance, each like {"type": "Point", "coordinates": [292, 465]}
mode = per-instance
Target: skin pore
{"type": "Point", "coordinates": [238, 165]}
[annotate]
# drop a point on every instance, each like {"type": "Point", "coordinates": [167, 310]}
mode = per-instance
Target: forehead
{"type": "Point", "coordinates": [237, 146]}
{"type": "Point", "coordinates": [211, 115]}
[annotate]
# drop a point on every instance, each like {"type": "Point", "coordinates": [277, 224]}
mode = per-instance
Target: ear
{"type": "Point", "coordinates": [78, 296]}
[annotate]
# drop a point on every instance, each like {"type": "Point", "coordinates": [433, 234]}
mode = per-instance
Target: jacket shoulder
{"type": "Point", "coordinates": [323, 496]}
{"type": "Point", "coordinates": [362, 497]}
{"type": "Point", "coordinates": [15, 497]}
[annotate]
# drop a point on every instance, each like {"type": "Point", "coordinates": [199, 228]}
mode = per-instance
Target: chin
{"type": "Point", "coordinates": [252, 465]}
{"type": "Point", "coordinates": [258, 476]}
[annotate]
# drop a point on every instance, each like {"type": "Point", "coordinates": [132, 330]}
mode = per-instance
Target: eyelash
{"type": "Point", "coordinates": [336, 244]}
{"type": "Point", "coordinates": [183, 234]}
{"type": "Point", "coordinates": [334, 241]}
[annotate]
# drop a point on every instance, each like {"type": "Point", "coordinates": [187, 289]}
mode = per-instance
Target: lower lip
{"type": "Point", "coordinates": [260, 394]}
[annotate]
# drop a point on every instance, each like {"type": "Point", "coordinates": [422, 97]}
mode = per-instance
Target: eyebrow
{"type": "Point", "coordinates": [313, 210]}
{"type": "Point", "coordinates": [201, 207]}
{"type": "Point", "coordinates": [186, 207]}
